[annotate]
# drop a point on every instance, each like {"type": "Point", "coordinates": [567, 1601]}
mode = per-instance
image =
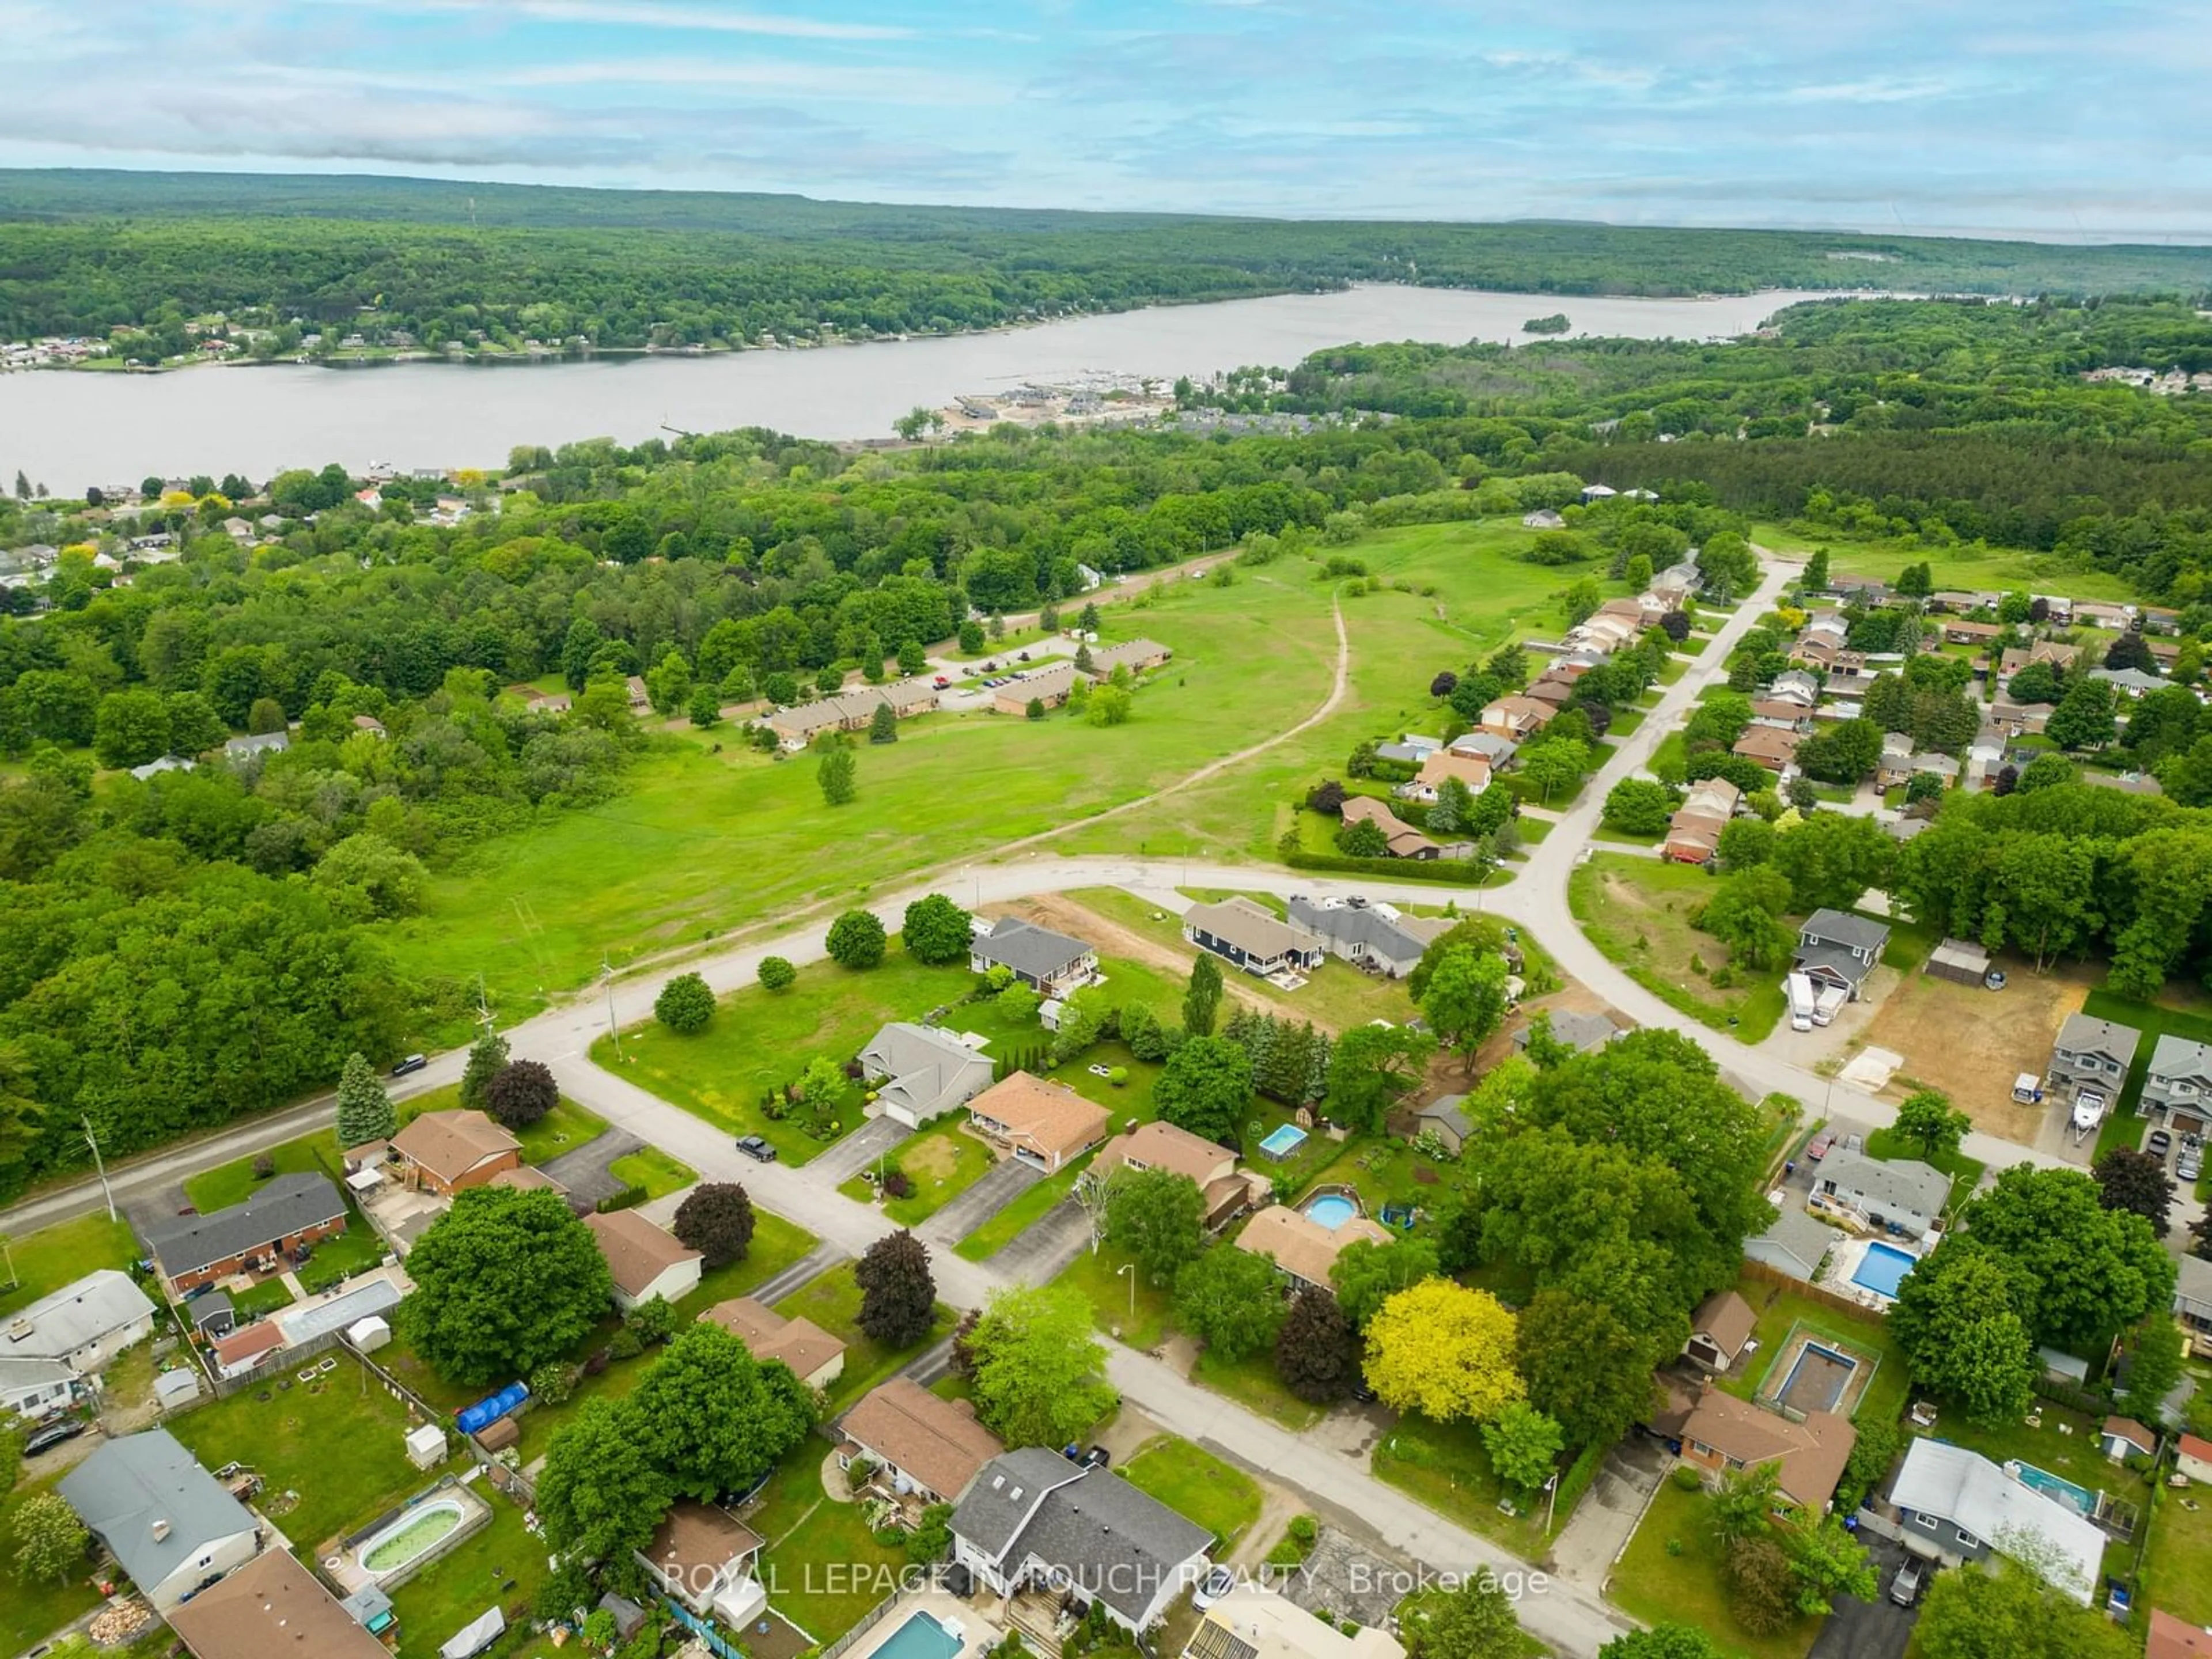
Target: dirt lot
{"type": "Point", "coordinates": [1971, 1043]}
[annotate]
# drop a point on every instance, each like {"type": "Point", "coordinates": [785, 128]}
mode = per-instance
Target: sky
{"type": "Point", "coordinates": [2055, 118]}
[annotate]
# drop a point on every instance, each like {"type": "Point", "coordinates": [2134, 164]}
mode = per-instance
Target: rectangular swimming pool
{"type": "Point", "coordinates": [1283, 1140]}
{"type": "Point", "coordinates": [1817, 1379]}
{"type": "Point", "coordinates": [921, 1637]}
{"type": "Point", "coordinates": [2077, 1497]}
{"type": "Point", "coordinates": [1883, 1268]}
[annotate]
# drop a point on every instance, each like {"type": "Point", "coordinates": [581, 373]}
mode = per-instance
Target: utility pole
{"type": "Point", "coordinates": [107, 1192]}
{"type": "Point", "coordinates": [607, 969]}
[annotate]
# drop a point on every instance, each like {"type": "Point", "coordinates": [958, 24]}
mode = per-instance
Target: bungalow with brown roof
{"type": "Point", "coordinates": [446, 1151]}
{"type": "Point", "coordinates": [524, 1179]}
{"type": "Point", "coordinates": [1304, 1250]}
{"type": "Point", "coordinates": [1403, 841]}
{"type": "Point", "coordinates": [1137, 655]}
{"type": "Point", "coordinates": [1048, 685]}
{"type": "Point", "coordinates": [2057, 654]}
{"type": "Point", "coordinates": [2013, 720]}
{"type": "Point", "coordinates": [1957, 631]}
{"type": "Point", "coordinates": [644, 1261]}
{"type": "Point", "coordinates": [1046, 1125]}
{"type": "Point", "coordinates": [1788, 716]}
{"type": "Point", "coordinates": [1692, 838]}
{"type": "Point", "coordinates": [1162, 1146]}
{"type": "Point", "coordinates": [922, 1447]}
{"type": "Point", "coordinates": [2177, 1639]}
{"type": "Point", "coordinates": [706, 1558]}
{"type": "Point", "coordinates": [815, 1357]}
{"type": "Point", "coordinates": [1768, 746]}
{"type": "Point", "coordinates": [272, 1606]}
{"type": "Point", "coordinates": [1472, 770]}
{"type": "Point", "coordinates": [1718, 1330]}
{"type": "Point", "coordinates": [1724, 1434]}
{"type": "Point", "coordinates": [1517, 718]}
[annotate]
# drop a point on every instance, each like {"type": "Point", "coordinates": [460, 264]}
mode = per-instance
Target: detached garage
{"type": "Point", "coordinates": [1956, 960]}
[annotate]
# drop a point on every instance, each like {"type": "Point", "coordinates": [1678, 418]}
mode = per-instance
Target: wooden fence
{"type": "Point", "coordinates": [1763, 1273]}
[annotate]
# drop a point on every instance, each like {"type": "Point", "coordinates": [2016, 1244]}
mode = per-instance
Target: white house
{"type": "Point", "coordinates": [49, 1349]}
{"type": "Point", "coordinates": [1900, 1193]}
{"type": "Point", "coordinates": [166, 1519]}
{"type": "Point", "coordinates": [645, 1260]}
{"type": "Point", "coordinates": [922, 1072]}
{"type": "Point", "coordinates": [1956, 1506]}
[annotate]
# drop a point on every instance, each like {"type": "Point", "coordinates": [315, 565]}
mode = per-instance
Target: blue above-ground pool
{"type": "Point", "coordinates": [1283, 1140]}
{"type": "Point", "coordinates": [921, 1637]}
{"type": "Point", "coordinates": [1883, 1268]}
{"type": "Point", "coordinates": [1331, 1210]}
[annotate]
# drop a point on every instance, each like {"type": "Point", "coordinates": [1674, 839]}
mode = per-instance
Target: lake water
{"type": "Point", "coordinates": [71, 429]}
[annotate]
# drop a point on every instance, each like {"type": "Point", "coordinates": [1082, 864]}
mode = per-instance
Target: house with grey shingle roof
{"type": "Point", "coordinates": [1585, 1034]}
{"type": "Point", "coordinates": [922, 1072]}
{"type": "Point", "coordinates": [2179, 1085]}
{"type": "Point", "coordinates": [1835, 947]}
{"type": "Point", "coordinates": [164, 1517]}
{"type": "Point", "coordinates": [290, 1211]}
{"type": "Point", "coordinates": [1896, 1192]}
{"type": "Point", "coordinates": [2092, 1054]}
{"type": "Point", "coordinates": [1051, 965]}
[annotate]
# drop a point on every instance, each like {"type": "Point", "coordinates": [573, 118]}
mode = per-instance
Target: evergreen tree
{"type": "Point", "coordinates": [487, 1057]}
{"type": "Point", "coordinates": [1202, 1001]}
{"type": "Point", "coordinates": [365, 1111]}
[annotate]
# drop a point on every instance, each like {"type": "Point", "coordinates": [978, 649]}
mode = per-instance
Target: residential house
{"type": "Point", "coordinates": [1051, 965]}
{"type": "Point", "coordinates": [154, 769]}
{"type": "Point", "coordinates": [369, 724]}
{"type": "Point", "coordinates": [1496, 750]}
{"type": "Point", "coordinates": [1137, 655]}
{"type": "Point", "coordinates": [639, 697]}
{"type": "Point", "coordinates": [1209, 1167]}
{"type": "Point", "coordinates": [2091, 1053]}
{"type": "Point", "coordinates": [1956, 1506]}
{"type": "Point", "coordinates": [1251, 1620]}
{"type": "Point", "coordinates": [2104, 613]}
{"type": "Point", "coordinates": [922, 1072]}
{"type": "Point", "coordinates": [922, 1446]}
{"type": "Point", "coordinates": [1719, 1328]}
{"type": "Point", "coordinates": [1470, 769]}
{"type": "Point", "coordinates": [2129, 683]}
{"type": "Point", "coordinates": [816, 1357]}
{"type": "Point", "coordinates": [1835, 947]}
{"type": "Point", "coordinates": [446, 1152]}
{"type": "Point", "coordinates": [1951, 598]}
{"type": "Point", "coordinates": [2192, 1308]}
{"type": "Point", "coordinates": [1517, 718]}
{"type": "Point", "coordinates": [1724, 1434]}
{"type": "Point", "coordinates": [645, 1260]}
{"type": "Point", "coordinates": [1253, 937]}
{"type": "Point", "coordinates": [1373, 936]}
{"type": "Point", "coordinates": [2014, 719]}
{"type": "Point", "coordinates": [1584, 1034]}
{"type": "Point", "coordinates": [1781, 712]}
{"type": "Point", "coordinates": [1936, 765]}
{"type": "Point", "coordinates": [1407, 752]}
{"type": "Point", "coordinates": [706, 1559]}
{"type": "Point", "coordinates": [2177, 1639]}
{"type": "Point", "coordinates": [1795, 1244]}
{"type": "Point", "coordinates": [1399, 838]}
{"type": "Point", "coordinates": [1303, 1249]}
{"type": "Point", "coordinates": [52, 1349]}
{"type": "Point", "coordinates": [1896, 763]}
{"type": "Point", "coordinates": [1554, 691]}
{"type": "Point", "coordinates": [2017, 657]}
{"type": "Point", "coordinates": [1693, 834]}
{"type": "Point", "coordinates": [2180, 1086]}
{"type": "Point", "coordinates": [1542, 519]}
{"type": "Point", "coordinates": [1794, 685]}
{"type": "Point", "coordinates": [167, 1521]}
{"type": "Point", "coordinates": [272, 1606]}
{"type": "Point", "coordinates": [1045, 1124]}
{"type": "Point", "coordinates": [2192, 1454]}
{"type": "Point", "coordinates": [1901, 1193]}
{"type": "Point", "coordinates": [1034, 1519]}
{"type": "Point", "coordinates": [1049, 685]}
{"type": "Point", "coordinates": [258, 743]}
{"type": "Point", "coordinates": [288, 1211]}
{"type": "Point", "coordinates": [1969, 633]}
{"type": "Point", "coordinates": [1768, 746]}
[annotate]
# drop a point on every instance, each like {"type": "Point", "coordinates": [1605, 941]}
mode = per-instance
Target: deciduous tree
{"type": "Point", "coordinates": [838, 773]}
{"type": "Point", "coordinates": [2096, 1269]}
{"type": "Point", "coordinates": [504, 1281]}
{"type": "Point", "coordinates": [50, 1541]}
{"type": "Point", "coordinates": [713, 1419]}
{"type": "Point", "coordinates": [521, 1092]}
{"type": "Point", "coordinates": [600, 1494]}
{"type": "Point", "coordinates": [2012, 1614]}
{"type": "Point", "coordinates": [1465, 1001]}
{"type": "Point", "coordinates": [2135, 1182]}
{"type": "Point", "coordinates": [1205, 1088]}
{"type": "Point", "coordinates": [1932, 1124]}
{"type": "Point", "coordinates": [936, 931]}
{"type": "Point", "coordinates": [1523, 1445]}
{"type": "Point", "coordinates": [716, 1219]}
{"type": "Point", "coordinates": [1366, 1275]}
{"type": "Point", "coordinates": [1370, 1068]}
{"type": "Point", "coordinates": [776, 973]}
{"type": "Point", "coordinates": [1959, 1318]}
{"type": "Point", "coordinates": [1471, 1619]}
{"type": "Point", "coordinates": [1444, 1351]}
{"type": "Point", "coordinates": [1231, 1300]}
{"type": "Point", "coordinates": [685, 1004]}
{"type": "Point", "coordinates": [898, 1291]}
{"type": "Point", "coordinates": [1159, 1217]}
{"type": "Point", "coordinates": [856, 940]}
{"type": "Point", "coordinates": [1316, 1349]}
{"type": "Point", "coordinates": [1038, 1367]}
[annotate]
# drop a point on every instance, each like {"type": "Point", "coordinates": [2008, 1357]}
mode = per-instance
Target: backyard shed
{"type": "Point", "coordinates": [368, 1336]}
{"type": "Point", "coordinates": [426, 1445]}
{"type": "Point", "coordinates": [1958, 961]}
{"type": "Point", "coordinates": [473, 1637]}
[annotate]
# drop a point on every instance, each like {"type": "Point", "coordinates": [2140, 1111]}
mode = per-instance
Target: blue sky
{"type": "Point", "coordinates": [2080, 118]}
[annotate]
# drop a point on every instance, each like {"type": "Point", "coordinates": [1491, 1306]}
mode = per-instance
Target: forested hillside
{"type": "Point", "coordinates": [88, 251]}
{"type": "Point", "coordinates": [178, 948]}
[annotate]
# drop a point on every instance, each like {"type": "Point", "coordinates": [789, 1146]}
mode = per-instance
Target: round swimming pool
{"type": "Point", "coordinates": [1331, 1210]}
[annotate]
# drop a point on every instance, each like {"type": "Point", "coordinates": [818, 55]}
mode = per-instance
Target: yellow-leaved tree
{"type": "Point", "coordinates": [1444, 1351]}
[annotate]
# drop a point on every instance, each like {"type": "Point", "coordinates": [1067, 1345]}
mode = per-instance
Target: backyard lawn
{"type": "Point", "coordinates": [2178, 1576]}
{"type": "Point", "coordinates": [1197, 1485]}
{"type": "Point", "coordinates": [54, 1256]}
{"type": "Point", "coordinates": [833, 1302]}
{"type": "Point", "coordinates": [1672, 1573]}
{"type": "Point", "coordinates": [337, 1443]}
{"type": "Point", "coordinates": [822, 1567]}
{"type": "Point", "coordinates": [1777, 1310]}
{"type": "Point", "coordinates": [1637, 911]}
{"type": "Point", "coordinates": [445, 1595]}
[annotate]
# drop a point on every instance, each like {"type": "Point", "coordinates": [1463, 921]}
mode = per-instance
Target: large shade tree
{"type": "Point", "coordinates": [504, 1281]}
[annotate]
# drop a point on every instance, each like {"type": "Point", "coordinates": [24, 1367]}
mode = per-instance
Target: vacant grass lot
{"type": "Point", "coordinates": [1637, 911]}
{"type": "Point", "coordinates": [1197, 1485]}
{"type": "Point", "coordinates": [1970, 567]}
{"type": "Point", "coordinates": [53, 1256]}
{"type": "Point", "coordinates": [335, 1441]}
{"type": "Point", "coordinates": [699, 844]}
{"type": "Point", "coordinates": [1672, 1573]}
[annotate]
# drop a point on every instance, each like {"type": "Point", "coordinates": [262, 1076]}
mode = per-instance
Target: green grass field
{"type": "Point", "coordinates": [1638, 910]}
{"type": "Point", "coordinates": [826, 1567]}
{"type": "Point", "coordinates": [1968, 567]}
{"type": "Point", "coordinates": [233, 1183]}
{"type": "Point", "coordinates": [652, 1169]}
{"type": "Point", "coordinates": [53, 1256]}
{"type": "Point", "coordinates": [1672, 1574]}
{"type": "Point", "coordinates": [1198, 1485]}
{"type": "Point", "coordinates": [335, 1441]}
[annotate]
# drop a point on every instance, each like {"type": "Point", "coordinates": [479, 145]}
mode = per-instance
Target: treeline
{"type": "Point", "coordinates": [89, 251]}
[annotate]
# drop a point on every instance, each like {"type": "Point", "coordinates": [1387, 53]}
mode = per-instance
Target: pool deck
{"type": "Point", "coordinates": [1844, 1259]}
{"type": "Point", "coordinates": [947, 1610]}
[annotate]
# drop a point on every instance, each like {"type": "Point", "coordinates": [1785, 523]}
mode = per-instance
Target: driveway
{"type": "Point", "coordinates": [1000, 1186]}
{"type": "Point", "coordinates": [584, 1172]}
{"type": "Point", "coordinates": [1345, 1577]}
{"type": "Point", "coordinates": [808, 1267]}
{"type": "Point", "coordinates": [1040, 1250]}
{"type": "Point", "coordinates": [1593, 1539]}
{"type": "Point", "coordinates": [1879, 1629]}
{"type": "Point", "coordinates": [857, 1151]}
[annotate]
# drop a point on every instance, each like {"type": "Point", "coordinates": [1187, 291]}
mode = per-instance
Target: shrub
{"type": "Point", "coordinates": [553, 1383]}
{"type": "Point", "coordinates": [856, 940]}
{"type": "Point", "coordinates": [625, 1344]}
{"type": "Point", "coordinates": [264, 1167]}
{"type": "Point", "coordinates": [685, 1004]}
{"type": "Point", "coordinates": [1687, 1479]}
{"type": "Point", "coordinates": [897, 1184]}
{"type": "Point", "coordinates": [776, 973]}
{"type": "Point", "coordinates": [1119, 1077]}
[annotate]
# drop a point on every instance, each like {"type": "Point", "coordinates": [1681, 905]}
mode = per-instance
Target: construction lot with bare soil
{"type": "Point", "coordinates": [1971, 1043]}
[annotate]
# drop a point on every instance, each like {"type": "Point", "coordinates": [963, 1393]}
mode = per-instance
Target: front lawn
{"type": "Point", "coordinates": [833, 1302]}
{"type": "Point", "coordinates": [942, 1162]}
{"type": "Point", "coordinates": [822, 1566]}
{"type": "Point", "coordinates": [54, 1256]}
{"type": "Point", "coordinates": [1014, 1220]}
{"type": "Point", "coordinates": [1252, 1382]}
{"type": "Point", "coordinates": [652, 1169]}
{"type": "Point", "coordinates": [1447, 1466]}
{"type": "Point", "coordinates": [1672, 1574]}
{"type": "Point", "coordinates": [1100, 1277]}
{"type": "Point", "coordinates": [234, 1182]}
{"type": "Point", "coordinates": [1197, 1485]}
{"type": "Point", "coordinates": [1637, 911]}
{"type": "Point", "coordinates": [434, 1604]}
{"type": "Point", "coordinates": [337, 1442]}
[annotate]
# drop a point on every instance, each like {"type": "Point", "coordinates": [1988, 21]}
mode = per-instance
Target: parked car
{"type": "Point", "coordinates": [2188, 1164]}
{"type": "Point", "coordinates": [1905, 1588]}
{"type": "Point", "coordinates": [2159, 1143]}
{"type": "Point", "coordinates": [1215, 1585]}
{"type": "Point", "coordinates": [1855, 1143]}
{"type": "Point", "coordinates": [52, 1435]}
{"type": "Point", "coordinates": [1097, 1458]}
{"type": "Point", "coordinates": [757, 1149]}
{"type": "Point", "coordinates": [1820, 1144]}
{"type": "Point", "coordinates": [940, 682]}
{"type": "Point", "coordinates": [412, 1063]}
